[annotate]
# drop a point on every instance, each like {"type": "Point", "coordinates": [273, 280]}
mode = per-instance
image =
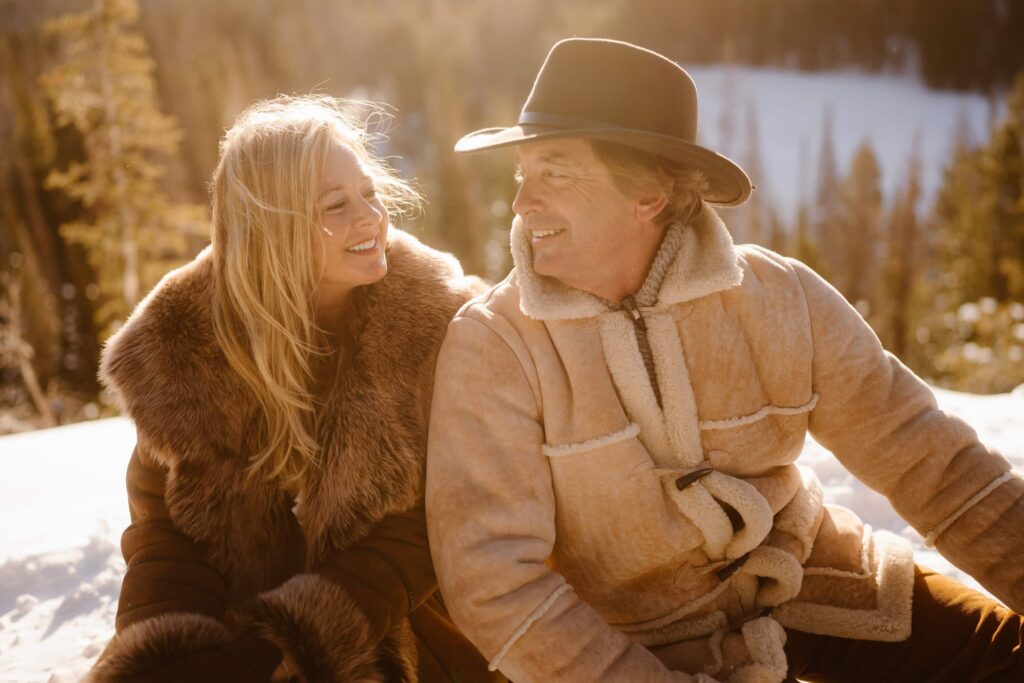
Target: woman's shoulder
{"type": "Point", "coordinates": [172, 321]}
{"type": "Point", "coordinates": [401, 320]}
{"type": "Point", "coordinates": [165, 367]}
{"type": "Point", "coordinates": [424, 271]}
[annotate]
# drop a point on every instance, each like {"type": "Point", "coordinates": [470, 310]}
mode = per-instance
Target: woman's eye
{"type": "Point", "coordinates": [334, 208]}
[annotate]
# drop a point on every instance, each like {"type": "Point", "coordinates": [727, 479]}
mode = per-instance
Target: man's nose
{"type": "Point", "coordinates": [525, 200]}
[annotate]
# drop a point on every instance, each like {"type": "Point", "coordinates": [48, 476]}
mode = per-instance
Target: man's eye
{"type": "Point", "coordinates": [552, 174]}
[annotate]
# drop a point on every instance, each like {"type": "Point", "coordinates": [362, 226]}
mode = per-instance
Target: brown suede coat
{"type": "Point", "coordinates": [583, 530]}
{"type": "Point", "coordinates": [342, 581]}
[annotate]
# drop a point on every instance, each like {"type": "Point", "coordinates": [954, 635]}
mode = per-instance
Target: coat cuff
{"type": "Point", "coordinates": [317, 624]}
{"type": "Point", "coordinates": [149, 643]}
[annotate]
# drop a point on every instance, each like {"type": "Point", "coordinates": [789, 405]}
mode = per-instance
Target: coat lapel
{"type": "Point", "coordinates": [706, 263]}
{"type": "Point", "coordinates": [196, 418]}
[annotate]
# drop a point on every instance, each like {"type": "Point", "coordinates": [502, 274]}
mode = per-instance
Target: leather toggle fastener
{"type": "Point", "coordinates": [690, 477]}
{"type": "Point", "coordinates": [633, 310]}
{"type": "Point", "coordinates": [731, 568]}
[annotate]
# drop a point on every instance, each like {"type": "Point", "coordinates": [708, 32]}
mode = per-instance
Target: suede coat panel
{"type": "Point", "coordinates": [583, 530]}
{"type": "Point", "coordinates": [213, 553]}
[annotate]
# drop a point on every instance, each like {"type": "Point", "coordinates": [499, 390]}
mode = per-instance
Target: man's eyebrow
{"type": "Point", "coordinates": [554, 157]}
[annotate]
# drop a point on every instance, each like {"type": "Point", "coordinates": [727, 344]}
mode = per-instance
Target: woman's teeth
{"type": "Point", "coordinates": [364, 246]}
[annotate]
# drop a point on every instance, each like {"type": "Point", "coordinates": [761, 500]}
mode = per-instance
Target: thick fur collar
{"type": "Point", "coordinates": [194, 414]}
{"type": "Point", "coordinates": [706, 263]}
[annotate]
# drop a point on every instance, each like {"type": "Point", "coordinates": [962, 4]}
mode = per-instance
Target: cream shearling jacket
{"type": "Point", "coordinates": [582, 529]}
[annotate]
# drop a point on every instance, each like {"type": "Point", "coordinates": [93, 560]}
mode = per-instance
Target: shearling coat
{"type": "Point", "coordinates": [587, 528]}
{"type": "Point", "coordinates": [335, 579]}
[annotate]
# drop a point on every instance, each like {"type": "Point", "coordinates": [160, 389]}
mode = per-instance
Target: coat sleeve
{"type": "Point", "coordinates": [491, 518]}
{"type": "Point", "coordinates": [345, 619]}
{"type": "Point", "coordinates": [172, 603]}
{"type": "Point", "coordinates": [884, 425]}
{"type": "Point", "coordinates": [387, 574]}
{"type": "Point", "coordinates": [166, 571]}
{"type": "Point", "coordinates": [174, 606]}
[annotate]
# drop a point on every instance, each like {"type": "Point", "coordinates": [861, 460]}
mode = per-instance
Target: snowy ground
{"type": "Point", "coordinates": [63, 506]}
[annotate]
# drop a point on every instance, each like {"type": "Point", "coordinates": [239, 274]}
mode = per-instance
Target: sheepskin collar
{"type": "Point", "coordinates": [195, 416]}
{"type": "Point", "coordinates": [705, 263]}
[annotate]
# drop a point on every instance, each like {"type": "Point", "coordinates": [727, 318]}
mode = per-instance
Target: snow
{"type": "Point", "coordinates": [63, 507]}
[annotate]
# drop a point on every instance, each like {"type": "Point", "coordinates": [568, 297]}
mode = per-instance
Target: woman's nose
{"type": "Point", "coordinates": [369, 211]}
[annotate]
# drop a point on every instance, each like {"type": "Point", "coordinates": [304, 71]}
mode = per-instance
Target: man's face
{"type": "Point", "coordinates": [584, 230]}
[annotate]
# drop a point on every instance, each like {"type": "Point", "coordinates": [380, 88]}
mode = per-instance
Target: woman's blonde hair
{"type": "Point", "coordinates": [265, 221]}
{"type": "Point", "coordinates": [636, 171]}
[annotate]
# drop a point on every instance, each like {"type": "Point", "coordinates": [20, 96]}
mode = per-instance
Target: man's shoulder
{"type": "Point", "coordinates": [494, 317]}
{"type": "Point", "coordinates": [501, 300]}
{"type": "Point", "coordinates": [756, 256]}
{"type": "Point", "coordinates": [763, 267]}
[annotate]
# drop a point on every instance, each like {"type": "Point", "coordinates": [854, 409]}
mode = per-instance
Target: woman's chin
{"type": "Point", "coordinates": [374, 272]}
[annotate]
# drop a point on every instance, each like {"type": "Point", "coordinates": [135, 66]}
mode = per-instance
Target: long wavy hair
{"type": "Point", "coordinates": [264, 232]}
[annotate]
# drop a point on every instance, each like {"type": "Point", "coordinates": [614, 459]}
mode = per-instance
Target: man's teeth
{"type": "Point", "coordinates": [364, 246]}
{"type": "Point", "coordinates": [546, 233]}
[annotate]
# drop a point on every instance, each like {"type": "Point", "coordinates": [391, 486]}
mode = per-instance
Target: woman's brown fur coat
{"type": "Point", "coordinates": [213, 553]}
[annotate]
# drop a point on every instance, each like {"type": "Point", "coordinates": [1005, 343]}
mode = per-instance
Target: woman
{"type": "Point", "coordinates": [280, 386]}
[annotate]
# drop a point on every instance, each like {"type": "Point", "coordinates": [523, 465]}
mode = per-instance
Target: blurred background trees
{"type": "Point", "coordinates": [129, 229]}
{"type": "Point", "coordinates": [110, 113]}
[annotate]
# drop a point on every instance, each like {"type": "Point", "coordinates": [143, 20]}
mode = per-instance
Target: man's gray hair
{"type": "Point", "coordinates": [636, 172]}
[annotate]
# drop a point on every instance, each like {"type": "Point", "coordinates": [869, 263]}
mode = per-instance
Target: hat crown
{"type": "Point", "coordinates": [608, 90]}
{"type": "Point", "coordinates": [601, 82]}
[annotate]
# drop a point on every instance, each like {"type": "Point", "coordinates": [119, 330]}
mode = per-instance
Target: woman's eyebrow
{"type": "Point", "coordinates": [331, 189]}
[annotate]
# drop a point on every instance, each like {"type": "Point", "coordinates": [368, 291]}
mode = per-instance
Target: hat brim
{"type": "Point", "coordinates": [728, 184]}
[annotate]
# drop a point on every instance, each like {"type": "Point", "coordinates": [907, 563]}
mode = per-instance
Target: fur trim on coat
{"type": "Point", "coordinates": [195, 418]}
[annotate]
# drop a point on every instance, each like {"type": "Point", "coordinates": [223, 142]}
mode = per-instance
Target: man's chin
{"type": "Point", "coordinates": [544, 266]}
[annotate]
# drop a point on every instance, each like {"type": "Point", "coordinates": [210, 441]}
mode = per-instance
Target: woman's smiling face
{"type": "Point", "coordinates": [353, 228]}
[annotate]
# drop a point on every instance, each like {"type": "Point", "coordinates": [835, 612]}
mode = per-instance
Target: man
{"type": "Point", "coordinates": [611, 488]}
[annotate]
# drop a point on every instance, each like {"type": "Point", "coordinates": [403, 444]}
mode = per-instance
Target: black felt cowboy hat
{"type": "Point", "coordinates": [609, 90]}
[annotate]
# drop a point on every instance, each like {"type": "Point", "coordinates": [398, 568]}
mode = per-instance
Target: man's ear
{"type": "Point", "coordinates": [650, 205]}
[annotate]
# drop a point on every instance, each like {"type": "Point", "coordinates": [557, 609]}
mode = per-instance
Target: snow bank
{"type": "Point", "coordinates": [63, 507]}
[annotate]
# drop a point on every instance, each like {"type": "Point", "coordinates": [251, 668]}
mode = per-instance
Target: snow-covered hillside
{"type": "Point", "coordinates": [63, 506]}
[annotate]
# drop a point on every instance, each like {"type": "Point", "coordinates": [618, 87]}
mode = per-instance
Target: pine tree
{"type": "Point", "coordinates": [980, 213]}
{"type": "Point", "coordinates": [15, 351]}
{"type": "Point", "coordinates": [727, 108]}
{"type": "Point", "coordinates": [903, 249]}
{"type": "Point", "coordinates": [977, 329]}
{"type": "Point", "coordinates": [805, 248]}
{"type": "Point", "coordinates": [755, 221]}
{"type": "Point", "coordinates": [27, 146]}
{"type": "Point", "coordinates": [130, 230]}
{"type": "Point", "coordinates": [860, 212]}
{"type": "Point", "coordinates": [826, 208]}
{"type": "Point", "coordinates": [1003, 167]}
